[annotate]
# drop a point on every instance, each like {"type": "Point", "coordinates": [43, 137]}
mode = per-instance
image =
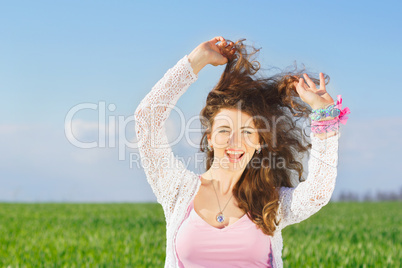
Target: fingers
{"type": "Point", "coordinates": [230, 49]}
{"type": "Point", "coordinates": [227, 48]}
{"type": "Point", "coordinates": [230, 45]}
{"type": "Point", "coordinates": [309, 82]}
{"type": "Point", "coordinates": [300, 86]}
{"type": "Point", "coordinates": [217, 39]}
{"type": "Point", "coordinates": [322, 81]}
{"type": "Point", "coordinates": [223, 43]}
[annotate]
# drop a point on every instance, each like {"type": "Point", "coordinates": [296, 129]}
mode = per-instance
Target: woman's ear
{"type": "Point", "coordinates": [209, 144]}
{"type": "Point", "coordinates": [258, 149]}
{"type": "Point", "coordinates": [208, 136]}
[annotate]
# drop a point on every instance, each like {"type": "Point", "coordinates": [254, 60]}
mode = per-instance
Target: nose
{"type": "Point", "coordinates": [235, 140]}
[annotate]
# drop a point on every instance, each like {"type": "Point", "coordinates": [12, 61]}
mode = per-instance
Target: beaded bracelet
{"type": "Point", "coordinates": [331, 111]}
{"type": "Point", "coordinates": [331, 125]}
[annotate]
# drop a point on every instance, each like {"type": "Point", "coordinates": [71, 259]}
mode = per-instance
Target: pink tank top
{"type": "Point", "coordinates": [241, 244]}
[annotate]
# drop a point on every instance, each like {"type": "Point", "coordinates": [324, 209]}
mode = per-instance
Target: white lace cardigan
{"type": "Point", "coordinates": [174, 185]}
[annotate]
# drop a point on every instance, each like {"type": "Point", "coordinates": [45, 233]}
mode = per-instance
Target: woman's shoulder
{"type": "Point", "coordinates": [204, 181]}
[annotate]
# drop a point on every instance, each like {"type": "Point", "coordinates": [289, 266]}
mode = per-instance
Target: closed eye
{"type": "Point", "coordinates": [244, 131]}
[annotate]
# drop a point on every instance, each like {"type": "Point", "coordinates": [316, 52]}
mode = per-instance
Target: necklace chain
{"type": "Point", "coordinates": [220, 218]}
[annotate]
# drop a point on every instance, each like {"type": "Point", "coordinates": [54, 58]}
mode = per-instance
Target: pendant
{"type": "Point", "coordinates": [220, 218]}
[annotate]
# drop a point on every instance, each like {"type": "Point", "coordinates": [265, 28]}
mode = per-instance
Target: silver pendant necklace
{"type": "Point", "coordinates": [220, 217]}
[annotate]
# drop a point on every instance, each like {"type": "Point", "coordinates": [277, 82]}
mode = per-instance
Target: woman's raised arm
{"type": "Point", "coordinates": [167, 175]}
{"type": "Point", "coordinates": [299, 203]}
{"type": "Point", "coordinates": [311, 195]}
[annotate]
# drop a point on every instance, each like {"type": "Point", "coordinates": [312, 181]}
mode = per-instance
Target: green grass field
{"type": "Point", "coordinates": [133, 235]}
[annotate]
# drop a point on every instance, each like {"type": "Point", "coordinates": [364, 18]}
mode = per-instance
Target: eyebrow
{"type": "Point", "coordinates": [229, 127]}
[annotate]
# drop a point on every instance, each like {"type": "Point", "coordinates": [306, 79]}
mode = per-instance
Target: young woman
{"type": "Point", "coordinates": [233, 214]}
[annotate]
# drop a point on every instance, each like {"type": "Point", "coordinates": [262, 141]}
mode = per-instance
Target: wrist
{"type": "Point", "coordinates": [325, 112]}
{"type": "Point", "coordinates": [197, 60]}
{"type": "Point", "coordinates": [321, 106]}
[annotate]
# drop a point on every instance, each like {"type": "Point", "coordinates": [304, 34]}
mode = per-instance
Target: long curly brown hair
{"type": "Point", "coordinates": [276, 108]}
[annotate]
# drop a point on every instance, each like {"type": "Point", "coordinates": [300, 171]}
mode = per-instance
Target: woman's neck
{"type": "Point", "coordinates": [224, 180]}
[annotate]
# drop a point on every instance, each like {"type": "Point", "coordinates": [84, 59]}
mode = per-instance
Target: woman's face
{"type": "Point", "coordinates": [234, 139]}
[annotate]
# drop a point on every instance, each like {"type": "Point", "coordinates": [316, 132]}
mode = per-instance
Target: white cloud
{"type": "Point", "coordinates": [369, 152]}
{"type": "Point", "coordinates": [46, 167]}
{"type": "Point", "coordinates": [11, 129]}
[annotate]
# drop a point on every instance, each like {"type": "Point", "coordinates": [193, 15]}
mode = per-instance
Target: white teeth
{"type": "Point", "coordinates": [232, 152]}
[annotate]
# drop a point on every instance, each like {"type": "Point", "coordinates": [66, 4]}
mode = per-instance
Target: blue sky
{"type": "Point", "coordinates": [55, 55]}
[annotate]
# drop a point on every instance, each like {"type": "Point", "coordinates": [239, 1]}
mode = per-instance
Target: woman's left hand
{"type": "Point", "coordinates": [316, 98]}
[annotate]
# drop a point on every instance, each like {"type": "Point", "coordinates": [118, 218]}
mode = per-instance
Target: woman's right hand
{"type": "Point", "coordinates": [211, 53]}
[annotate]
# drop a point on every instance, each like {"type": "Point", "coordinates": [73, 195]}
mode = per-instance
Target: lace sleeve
{"type": "Point", "coordinates": [299, 203]}
{"type": "Point", "coordinates": [163, 171]}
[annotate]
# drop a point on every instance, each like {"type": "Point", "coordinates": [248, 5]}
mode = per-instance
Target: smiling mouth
{"type": "Point", "coordinates": [234, 155]}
